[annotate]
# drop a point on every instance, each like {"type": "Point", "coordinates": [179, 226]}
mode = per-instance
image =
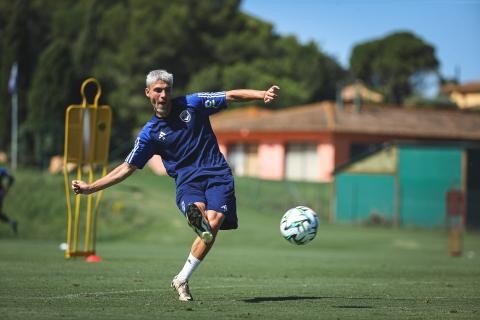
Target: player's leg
{"type": "Point", "coordinates": [220, 196]}
{"type": "Point", "coordinates": [187, 195]}
{"type": "Point", "coordinates": [197, 253]}
{"type": "Point", "coordinates": [4, 217]}
{"type": "Point", "coordinates": [220, 211]}
{"type": "Point", "coordinates": [7, 219]}
{"type": "Point", "coordinates": [200, 248]}
{"type": "Point", "coordinates": [198, 221]}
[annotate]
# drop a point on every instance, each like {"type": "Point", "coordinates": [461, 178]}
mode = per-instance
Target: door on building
{"type": "Point", "coordinates": [365, 198]}
{"type": "Point", "coordinates": [473, 188]}
{"type": "Point", "coordinates": [426, 173]}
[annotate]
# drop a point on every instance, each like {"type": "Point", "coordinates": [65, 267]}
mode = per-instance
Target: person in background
{"type": "Point", "coordinates": [6, 182]}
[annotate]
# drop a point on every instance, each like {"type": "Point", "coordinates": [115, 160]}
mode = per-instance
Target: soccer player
{"type": "Point", "coordinates": [180, 132]}
{"type": "Point", "coordinates": [3, 191]}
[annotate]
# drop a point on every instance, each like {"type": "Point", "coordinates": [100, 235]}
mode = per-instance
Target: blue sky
{"type": "Point", "coordinates": [452, 27]}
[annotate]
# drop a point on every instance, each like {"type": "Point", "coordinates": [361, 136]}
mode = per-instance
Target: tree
{"type": "Point", "coordinates": [206, 44]}
{"type": "Point", "coordinates": [389, 64]}
{"type": "Point", "coordinates": [22, 29]}
{"type": "Point", "coordinates": [304, 73]}
{"type": "Point", "coordinates": [52, 87]}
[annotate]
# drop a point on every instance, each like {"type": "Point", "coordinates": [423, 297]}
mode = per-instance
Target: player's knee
{"type": "Point", "coordinates": [215, 220]}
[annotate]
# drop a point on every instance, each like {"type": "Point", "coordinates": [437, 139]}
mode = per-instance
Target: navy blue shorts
{"type": "Point", "coordinates": [217, 192]}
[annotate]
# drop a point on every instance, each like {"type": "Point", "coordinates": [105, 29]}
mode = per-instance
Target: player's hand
{"type": "Point", "coordinates": [80, 187]}
{"type": "Point", "coordinates": [271, 94]}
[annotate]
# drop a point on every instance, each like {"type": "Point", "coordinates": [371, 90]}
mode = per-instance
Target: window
{"type": "Point", "coordinates": [243, 159]}
{"type": "Point", "coordinates": [301, 162]}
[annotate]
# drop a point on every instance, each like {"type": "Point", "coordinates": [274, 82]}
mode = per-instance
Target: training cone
{"type": "Point", "coordinates": [93, 258]}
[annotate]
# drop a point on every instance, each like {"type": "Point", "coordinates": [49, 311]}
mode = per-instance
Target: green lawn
{"type": "Point", "coordinates": [347, 272]}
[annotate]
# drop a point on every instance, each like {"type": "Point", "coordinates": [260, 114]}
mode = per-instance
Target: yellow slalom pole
{"type": "Point", "coordinates": [67, 187]}
{"type": "Point", "coordinates": [91, 157]}
{"type": "Point", "coordinates": [77, 211]}
{"type": "Point", "coordinates": [89, 214]}
{"type": "Point", "coordinates": [79, 173]}
{"type": "Point", "coordinates": [95, 214]}
{"type": "Point", "coordinates": [69, 215]}
{"type": "Point", "coordinates": [100, 194]}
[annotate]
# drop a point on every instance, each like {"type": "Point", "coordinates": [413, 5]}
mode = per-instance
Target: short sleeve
{"type": "Point", "coordinates": [211, 102]}
{"type": "Point", "coordinates": [142, 151]}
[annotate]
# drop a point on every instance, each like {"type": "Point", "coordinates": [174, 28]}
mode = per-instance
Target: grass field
{"type": "Point", "coordinates": [347, 272]}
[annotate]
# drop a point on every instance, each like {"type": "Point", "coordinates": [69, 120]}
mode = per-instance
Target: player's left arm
{"type": "Point", "coordinates": [240, 95]}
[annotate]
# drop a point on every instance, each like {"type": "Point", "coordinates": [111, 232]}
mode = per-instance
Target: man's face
{"type": "Point", "coordinates": [159, 94]}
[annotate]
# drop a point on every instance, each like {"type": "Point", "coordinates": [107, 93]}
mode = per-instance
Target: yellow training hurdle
{"type": "Point", "coordinates": [87, 140]}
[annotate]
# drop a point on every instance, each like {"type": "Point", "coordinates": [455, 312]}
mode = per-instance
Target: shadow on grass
{"type": "Point", "coordinates": [273, 299]}
{"type": "Point", "coordinates": [353, 307]}
{"type": "Point", "coordinates": [296, 298]}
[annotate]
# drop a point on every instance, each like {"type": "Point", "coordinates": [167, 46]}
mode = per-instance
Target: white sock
{"type": "Point", "coordinates": [190, 265]}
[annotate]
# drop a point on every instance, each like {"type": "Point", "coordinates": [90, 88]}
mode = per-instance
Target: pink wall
{"type": "Point", "coordinates": [326, 161]}
{"type": "Point", "coordinates": [271, 161]}
{"type": "Point", "coordinates": [331, 151]}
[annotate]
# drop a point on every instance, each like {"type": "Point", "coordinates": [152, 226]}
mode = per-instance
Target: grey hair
{"type": "Point", "coordinates": [159, 75]}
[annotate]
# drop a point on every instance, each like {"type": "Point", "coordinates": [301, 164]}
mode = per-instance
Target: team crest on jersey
{"type": "Point", "coordinates": [185, 116]}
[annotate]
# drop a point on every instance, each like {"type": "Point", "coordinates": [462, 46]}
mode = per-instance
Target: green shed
{"type": "Point", "coordinates": [406, 184]}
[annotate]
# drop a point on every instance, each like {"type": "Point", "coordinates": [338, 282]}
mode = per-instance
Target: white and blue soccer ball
{"type": "Point", "coordinates": [299, 225]}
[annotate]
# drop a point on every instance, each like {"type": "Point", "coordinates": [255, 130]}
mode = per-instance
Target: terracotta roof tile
{"type": "Point", "coordinates": [469, 87]}
{"type": "Point", "coordinates": [325, 116]}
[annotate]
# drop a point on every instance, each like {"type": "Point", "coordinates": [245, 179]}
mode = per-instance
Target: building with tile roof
{"type": "Point", "coordinates": [466, 96]}
{"type": "Point", "coordinates": [308, 142]}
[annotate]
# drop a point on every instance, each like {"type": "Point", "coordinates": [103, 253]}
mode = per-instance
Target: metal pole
{"type": "Point", "coordinates": [14, 130]}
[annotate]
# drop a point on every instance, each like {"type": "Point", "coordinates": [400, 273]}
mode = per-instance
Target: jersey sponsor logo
{"type": "Point", "coordinates": [211, 98]}
{"type": "Point", "coordinates": [185, 116]}
{"type": "Point", "coordinates": [209, 103]}
{"type": "Point", "coordinates": [224, 207]}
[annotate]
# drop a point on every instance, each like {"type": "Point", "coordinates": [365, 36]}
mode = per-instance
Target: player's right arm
{"type": "Point", "coordinates": [115, 176]}
{"type": "Point", "coordinates": [142, 151]}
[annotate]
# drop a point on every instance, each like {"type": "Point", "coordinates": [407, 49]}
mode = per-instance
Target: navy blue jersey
{"type": "Point", "coordinates": [185, 139]}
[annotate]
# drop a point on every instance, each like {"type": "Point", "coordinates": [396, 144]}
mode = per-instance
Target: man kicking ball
{"type": "Point", "coordinates": [180, 132]}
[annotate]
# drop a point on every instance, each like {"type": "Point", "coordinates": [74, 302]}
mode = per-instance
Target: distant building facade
{"type": "Point", "coordinates": [307, 143]}
{"type": "Point", "coordinates": [407, 183]}
{"type": "Point", "coordinates": [466, 96]}
{"type": "Point", "coordinates": [358, 91]}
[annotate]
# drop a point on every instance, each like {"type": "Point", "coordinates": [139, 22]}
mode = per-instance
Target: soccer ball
{"type": "Point", "coordinates": [299, 225]}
